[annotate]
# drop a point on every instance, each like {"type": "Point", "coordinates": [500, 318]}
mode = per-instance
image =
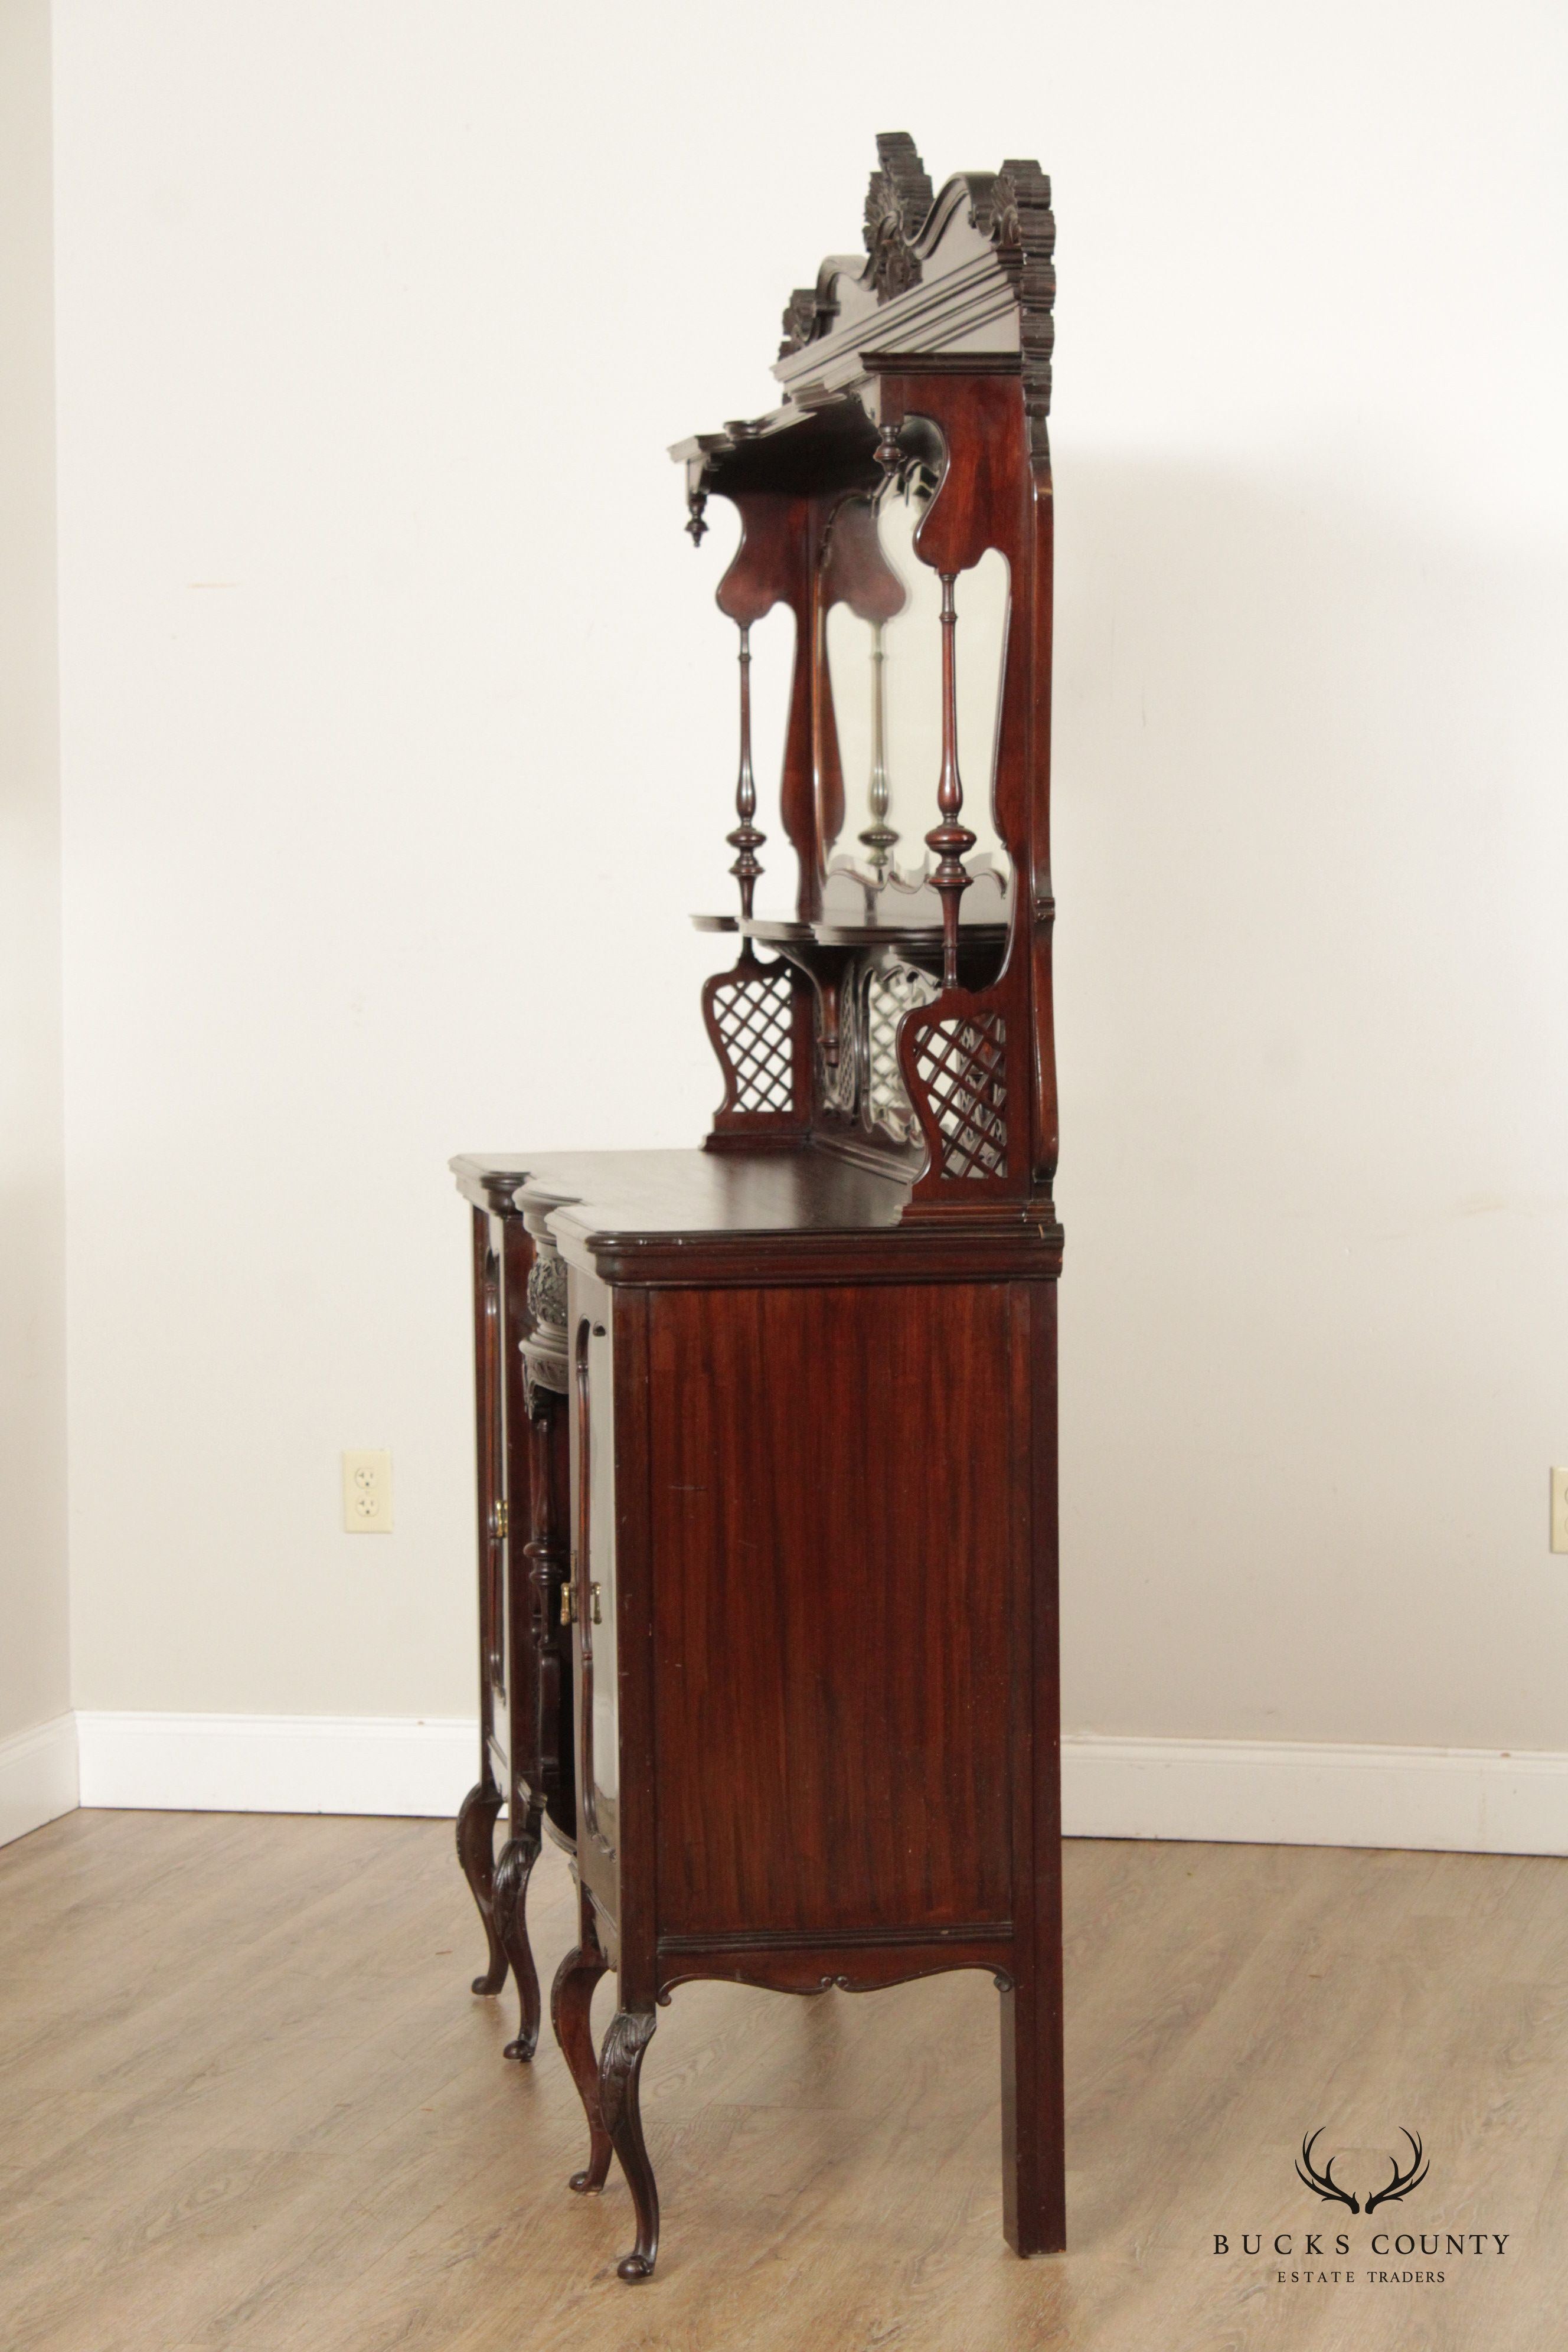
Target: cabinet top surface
{"type": "Point", "coordinates": [664, 1192]}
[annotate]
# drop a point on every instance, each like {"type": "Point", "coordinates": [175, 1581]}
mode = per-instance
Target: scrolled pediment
{"type": "Point", "coordinates": [961, 279]}
{"type": "Point", "coordinates": [965, 270]}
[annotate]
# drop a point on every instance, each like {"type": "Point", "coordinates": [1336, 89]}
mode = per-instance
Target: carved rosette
{"type": "Point", "coordinates": [897, 201]}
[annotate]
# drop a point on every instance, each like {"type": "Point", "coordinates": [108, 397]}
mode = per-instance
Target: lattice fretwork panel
{"type": "Point", "coordinates": [892, 990]}
{"type": "Point", "coordinates": [754, 1014]}
{"type": "Point", "coordinates": [963, 1066]}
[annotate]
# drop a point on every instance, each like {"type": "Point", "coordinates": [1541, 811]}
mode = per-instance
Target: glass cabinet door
{"type": "Point", "coordinates": [594, 1569]}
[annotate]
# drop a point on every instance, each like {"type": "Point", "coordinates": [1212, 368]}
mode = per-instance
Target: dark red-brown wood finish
{"type": "Point", "coordinates": [525, 1696]}
{"type": "Point", "coordinates": [792, 1396]}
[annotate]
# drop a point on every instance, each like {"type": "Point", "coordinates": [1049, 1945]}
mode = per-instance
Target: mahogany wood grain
{"type": "Point", "coordinates": [831, 1610]}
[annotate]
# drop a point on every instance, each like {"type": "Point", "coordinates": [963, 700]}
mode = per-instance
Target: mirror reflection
{"type": "Point", "coordinates": [883, 636]}
{"type": "Point", "coordinates": [770, 644]}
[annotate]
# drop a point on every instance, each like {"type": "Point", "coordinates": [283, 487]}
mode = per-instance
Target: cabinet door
{"type": "Point", "coordinates": [539, 1518]}
{"type": "Point", "coordinates": [594, 1576]}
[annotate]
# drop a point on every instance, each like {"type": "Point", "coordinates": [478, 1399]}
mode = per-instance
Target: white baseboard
{"type": "Point", "coordinates": [1274, 1792]}
{"type": "Point", "coordinates": [276, 1763]}
{"type": "Point", "coordinates": [37, 1777]}
{"type": "Point", "coordinates": [1256, 1792]}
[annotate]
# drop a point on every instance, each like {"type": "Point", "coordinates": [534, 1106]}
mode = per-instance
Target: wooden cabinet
{"type": "Point", "coordinates": [777, 1657]}
{"type": "Point", "coordinates": [525, 1661]}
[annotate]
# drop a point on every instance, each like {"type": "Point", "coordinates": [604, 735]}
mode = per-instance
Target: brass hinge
{"type": "Point", "coordinates": [500, 1517]}
{"type": "Point", "coordinates": [594, 1590]}
{"type": "Point", "coordinates": [568, 1601]}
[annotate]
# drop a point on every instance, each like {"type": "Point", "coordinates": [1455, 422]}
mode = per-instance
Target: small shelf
{"type": "Point", "coordinates": [823, 948]}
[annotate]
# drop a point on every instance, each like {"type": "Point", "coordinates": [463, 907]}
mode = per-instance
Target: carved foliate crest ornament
{"type": "Point", "coordinates": [803, 319]}
{"type": "Point", "coordinates": [897, 201]}
{"type": "Point", "coordinates": [1016, 214]}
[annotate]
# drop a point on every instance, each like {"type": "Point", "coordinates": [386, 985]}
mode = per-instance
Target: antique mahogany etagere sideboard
{"type": "Point", "coordinates": [767, 1430]}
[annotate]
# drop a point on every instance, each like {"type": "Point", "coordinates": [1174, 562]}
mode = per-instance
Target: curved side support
{"type": "Point", "coordinates": [620, 2074]}
{"type": "Point", "coordinates": [570, 2004]}
{"type": "Point", "coordinates": [513, 1871]}
{"type": "Point", "coordinates": [476, 1851]}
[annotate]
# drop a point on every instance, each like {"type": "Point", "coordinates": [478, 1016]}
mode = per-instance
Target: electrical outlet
{"type": "Point", "coordinates": [367, 1494]}
{"type": "Point", "coordinates": [1560, 1510]}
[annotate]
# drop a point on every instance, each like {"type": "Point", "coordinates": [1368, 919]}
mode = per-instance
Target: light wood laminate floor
{"type": "Point", "coordinates": [248, 2101]}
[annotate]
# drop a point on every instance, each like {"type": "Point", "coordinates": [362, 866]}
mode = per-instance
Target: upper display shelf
{"type": "Point", "coordinates": [891, 582]}
{"type": "Point", "coordinates": [962, 279]}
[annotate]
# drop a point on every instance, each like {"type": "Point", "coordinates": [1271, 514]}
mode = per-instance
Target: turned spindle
{"type": "Point", "coordinates": [879, 838]}
{"type": "Point", "coordinates": [949, 839]}
{"type": "Point", "coordinates": [745, 841]}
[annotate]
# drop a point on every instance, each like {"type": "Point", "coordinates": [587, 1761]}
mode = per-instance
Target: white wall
{"type": "Point", "coordinates": [35, 1664]}
{"type": "Point", "coordinates": [398, 743]}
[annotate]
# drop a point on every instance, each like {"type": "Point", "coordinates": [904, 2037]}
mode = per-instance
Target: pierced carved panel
{"type": "Point", "coordinates": [962, 1066]}
{"type": "Point", "coordinates": [891, 992]}
{"type": "Point", "coordinates": [751, 1013]}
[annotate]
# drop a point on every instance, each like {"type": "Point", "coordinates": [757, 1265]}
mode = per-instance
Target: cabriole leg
{"type": "Point", "coordinates": [620, 2073]}
{"type": "Point", "coordinates": [570, 2007]}
{"type": "Point", "coordinates": [513, 1870]}
{"type": "Point", "coordinates": [476, 1851]}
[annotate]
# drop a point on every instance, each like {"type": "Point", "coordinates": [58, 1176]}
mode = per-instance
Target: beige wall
{"type": "Point", "coordinates": [398, 741]}
{"type": "Point", "coordinates": [35, 1667]}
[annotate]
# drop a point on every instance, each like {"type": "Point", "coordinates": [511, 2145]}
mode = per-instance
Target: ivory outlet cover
{"type": "Point", "coordinates": [367, 1494]}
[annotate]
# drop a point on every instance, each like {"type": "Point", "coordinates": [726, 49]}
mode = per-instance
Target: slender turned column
{"type": "Point", "coordinates": [746, 840]}
{"type": "Point", "coordinates": [879, 837]}
{"type": "Point", "coordinates": [949, 839]}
